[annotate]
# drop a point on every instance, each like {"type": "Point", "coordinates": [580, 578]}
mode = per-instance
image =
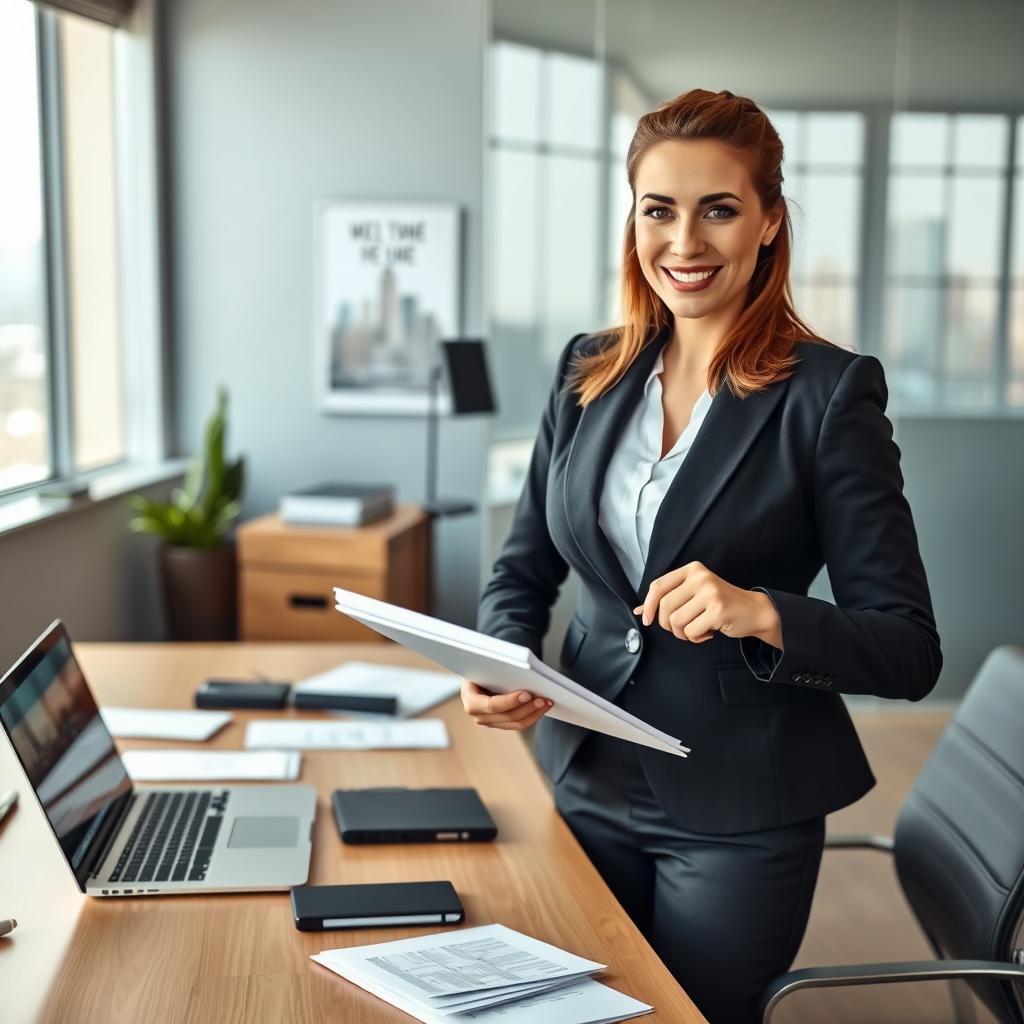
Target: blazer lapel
{"type": "Point", "coordinates": [600, 425]}
{"type": "Point", "coordinates": [728, 431]}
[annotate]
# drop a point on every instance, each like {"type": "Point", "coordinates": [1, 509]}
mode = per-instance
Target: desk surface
{"type": "Point", "coordinates": [238, 957]}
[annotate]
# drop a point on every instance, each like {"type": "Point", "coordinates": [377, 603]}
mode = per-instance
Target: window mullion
{"type": "Point", "coordinates": [1002, 339]}
{"type": "Point", "coordinates": [873, 304]}
{"type": "Point", "coordinates": [58, 333]}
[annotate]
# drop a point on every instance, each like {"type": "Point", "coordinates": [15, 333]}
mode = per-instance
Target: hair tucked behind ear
{"type": "Point", "coordinates": [758, 349]}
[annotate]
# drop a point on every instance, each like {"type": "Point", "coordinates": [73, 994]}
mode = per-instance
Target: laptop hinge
{"type": "Point", "coordinates": [108, 832]}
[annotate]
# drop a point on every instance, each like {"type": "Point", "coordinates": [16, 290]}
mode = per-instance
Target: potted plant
{"type": "Point", "coordinates": [197, 562]}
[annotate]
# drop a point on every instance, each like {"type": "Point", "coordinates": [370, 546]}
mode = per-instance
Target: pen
{"type": "Point", "coordinates": [7, 801]}
{"type": "Point", "coordinates": [6, 927]}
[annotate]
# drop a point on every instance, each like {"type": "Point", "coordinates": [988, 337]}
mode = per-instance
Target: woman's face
{"type": "Point", "coordinates": [697, 211]}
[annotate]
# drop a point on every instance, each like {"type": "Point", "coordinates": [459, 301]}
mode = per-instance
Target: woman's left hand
{"type": "Point", "coordinates": [692, 603]}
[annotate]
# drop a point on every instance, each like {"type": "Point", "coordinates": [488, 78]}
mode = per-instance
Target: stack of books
{"type": "Point", "coordinates": [337, 504]}
{"type": "Point", "coordinates": [490, 974]}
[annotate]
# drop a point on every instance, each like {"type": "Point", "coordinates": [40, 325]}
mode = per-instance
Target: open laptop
{"type": "Point", "coordinates": [125, 840]}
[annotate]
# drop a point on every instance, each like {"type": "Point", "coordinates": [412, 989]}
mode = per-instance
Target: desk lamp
{"type": "Point", "coordinates": [470, 388]}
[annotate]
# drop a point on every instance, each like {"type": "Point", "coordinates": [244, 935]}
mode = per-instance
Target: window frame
{"type": "Point", "coordinates": [138, 117]}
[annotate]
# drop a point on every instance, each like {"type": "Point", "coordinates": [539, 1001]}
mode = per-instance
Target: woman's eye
{"type": "Point", "coordinates": [723, 213]}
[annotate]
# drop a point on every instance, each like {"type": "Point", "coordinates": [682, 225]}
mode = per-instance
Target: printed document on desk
{"type": "Point", "coordinates": [316, 734]}
{"type": "Point", "coordinates": [163, 724]}
{"type": "Point", "coordinates": [483, 974]}
{"type": "Point", "coordinates": [208, 765]}
{"type": "Point", "coordinates": [502, 667]}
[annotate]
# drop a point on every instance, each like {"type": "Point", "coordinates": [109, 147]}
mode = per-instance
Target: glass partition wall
{"type": "Point", "coordinates": [903, 127]}
{"type": "Point", "coordinates": [903, 170]}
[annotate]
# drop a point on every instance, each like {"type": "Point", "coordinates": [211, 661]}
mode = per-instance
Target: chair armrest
{"type": "Point", "coordinates": [841, 841]}
{"type": "Point", "coordinates": [877, 974]}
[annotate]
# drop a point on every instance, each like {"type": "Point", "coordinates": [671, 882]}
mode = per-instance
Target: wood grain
{"type": "Point", "coordinates": [238, 957]}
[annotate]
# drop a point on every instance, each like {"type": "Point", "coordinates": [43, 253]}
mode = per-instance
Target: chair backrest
{"type": "Point", "coordinates": [959, 840]}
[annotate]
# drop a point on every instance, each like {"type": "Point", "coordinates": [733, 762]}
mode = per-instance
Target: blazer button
{"type": "Point", "coordinates": [633, 641]}
{"type": "Point", "coordinates": [796, 677]}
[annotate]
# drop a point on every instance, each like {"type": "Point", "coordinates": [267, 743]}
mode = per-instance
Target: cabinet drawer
{"type": "Point", "coordinates": [277, 605]}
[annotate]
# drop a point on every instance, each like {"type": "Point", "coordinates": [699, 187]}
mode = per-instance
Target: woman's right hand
{"type": "Point", "coordinates": [517, 710]}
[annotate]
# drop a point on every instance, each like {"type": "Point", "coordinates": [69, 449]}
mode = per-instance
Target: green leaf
{"type": "Point", "coordinates": [234, 480]}
{"type": "Point", "coordinates": [203, 509]}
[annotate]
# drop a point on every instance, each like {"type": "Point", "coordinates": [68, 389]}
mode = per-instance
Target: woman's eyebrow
{"type": "Point", "coordinates": [713, 198]}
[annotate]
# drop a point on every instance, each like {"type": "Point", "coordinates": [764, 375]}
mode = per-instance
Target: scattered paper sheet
{"type": "Point", "coordinates": [162, 724]}
{"type": "Point", "coordinates": [416, 689]}
{"type": "Point", "coordinates": [202, 765]}
{"type": "Point", "coordinates": [486, 974]}
{"type": "Point", "coordinates": [317, 734]}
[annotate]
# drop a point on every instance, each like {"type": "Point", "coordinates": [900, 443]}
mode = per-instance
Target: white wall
{"type": "Point", "coordinates": [272, 107]}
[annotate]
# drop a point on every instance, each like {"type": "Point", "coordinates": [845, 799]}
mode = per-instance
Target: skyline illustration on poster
{"type": "Point", "coordinates": [387, 296]}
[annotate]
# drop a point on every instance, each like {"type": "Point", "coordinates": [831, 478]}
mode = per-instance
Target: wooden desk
{"type": "Point", "coordinates": [238, 958]}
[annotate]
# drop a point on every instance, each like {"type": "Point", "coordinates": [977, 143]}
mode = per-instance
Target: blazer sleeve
{"type": "Point", "coordinates": [516, 603]}
{"type": "Point", "coordinates": [879, 637]}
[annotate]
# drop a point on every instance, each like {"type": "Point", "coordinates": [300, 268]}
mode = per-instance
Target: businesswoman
{"type": "Point", "coordinates": [696, 467]}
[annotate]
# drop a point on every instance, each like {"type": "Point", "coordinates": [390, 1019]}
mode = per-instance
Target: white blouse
{"type": "Point", "coordinates": [638, 478]}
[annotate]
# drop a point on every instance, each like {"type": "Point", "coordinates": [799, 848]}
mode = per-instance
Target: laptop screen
{"type": "Point", "coordinates": [67, 752]}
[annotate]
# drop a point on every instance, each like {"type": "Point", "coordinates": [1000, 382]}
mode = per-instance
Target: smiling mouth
{"type": "Point", "coordinates": [691, 282]}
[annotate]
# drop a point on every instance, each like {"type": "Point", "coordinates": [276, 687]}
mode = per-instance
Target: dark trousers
{"type": "Point", "coordinates": [726, 914]}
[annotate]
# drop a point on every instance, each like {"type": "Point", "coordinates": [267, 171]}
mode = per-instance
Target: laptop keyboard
{"type": "Point", "coordinates": [173, 838]}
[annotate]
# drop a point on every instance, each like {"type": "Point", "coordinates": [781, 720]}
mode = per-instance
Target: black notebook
{"type": "Point", "coordinates": [321, 907]}
{"type": "Point", "coordinates": [412, 816]}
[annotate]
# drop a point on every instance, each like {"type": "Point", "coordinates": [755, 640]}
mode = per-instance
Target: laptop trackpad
{"type": "Point", "coordinates": [247, 833]}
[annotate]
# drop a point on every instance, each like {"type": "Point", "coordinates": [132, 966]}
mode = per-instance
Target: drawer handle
{"type": "Point", "coordinates": [307, 601]}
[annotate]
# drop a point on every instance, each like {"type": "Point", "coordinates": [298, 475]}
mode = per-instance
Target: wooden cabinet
{"type": "Point", "coordinates": [287, 574]}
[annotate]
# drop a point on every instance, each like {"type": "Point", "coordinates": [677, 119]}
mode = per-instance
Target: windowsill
{"type": "Point", "coordinates": [27, 510]}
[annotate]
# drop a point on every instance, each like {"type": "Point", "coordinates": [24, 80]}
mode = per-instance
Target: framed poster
{"type": "Point", "coordinates": [387, 292]}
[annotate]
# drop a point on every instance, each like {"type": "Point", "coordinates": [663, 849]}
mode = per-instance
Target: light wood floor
{"type": "Point", "coordinates": [859, 914]}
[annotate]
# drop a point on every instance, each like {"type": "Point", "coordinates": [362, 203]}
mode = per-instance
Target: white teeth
{"type": "Point", "coordinates": [691, 278]}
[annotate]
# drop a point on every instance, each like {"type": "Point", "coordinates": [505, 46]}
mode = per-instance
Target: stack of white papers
{"type": "Point", "coordinates": [415, 689]}
{"type": "Point", "coordinates": [202, 765]}
{"type": "Point", "coordinates": [161, 724]}
{"type": "Point", "coordinates": [483, 974]}
{"type": "Point", "coordinates": [316, 734]}
{"type": "Point", "coordinates": [502, 667]}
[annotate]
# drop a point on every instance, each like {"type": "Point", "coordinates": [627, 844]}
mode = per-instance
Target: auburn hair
{"type": "Point", "coordinates": [758, 349]}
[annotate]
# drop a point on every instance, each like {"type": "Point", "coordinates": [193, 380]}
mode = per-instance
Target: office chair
{"type": "Point", "coordinates": [958, 849]}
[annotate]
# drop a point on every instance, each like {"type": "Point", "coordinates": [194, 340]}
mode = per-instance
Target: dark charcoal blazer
{"type": "Point", "coordinates": [801, 474]}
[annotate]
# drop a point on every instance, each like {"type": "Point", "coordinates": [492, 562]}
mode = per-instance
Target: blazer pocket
{"type": "Point", "coordinates": [574, 637]}
{"type": "Point", "coordinates": [740, 686]}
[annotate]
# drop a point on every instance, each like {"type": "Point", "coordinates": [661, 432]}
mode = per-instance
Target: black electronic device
{"type": "Point", "coordinates": [322, 907]}
{"type": "Point", "coordinates": [226, 693]}
{"type": "Point", "coordinates": [311, 700]}
{"type": "Point", "coordinates": [412, 816]}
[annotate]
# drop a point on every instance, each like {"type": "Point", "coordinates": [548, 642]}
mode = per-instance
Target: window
{"type": "Point", "coordinates": [945, 265]}
{"type": "Point", "coordinates": [61, 388]}
{"type": "Point", "coordinates": [546, 169]}
{"type": "Point", "coordinates": [24, 433]}
{"type": "Point", "coordinates": [920, 262]}
{"type": "Point", "coordinates": [91, 241]}
{"type": "Point", "coordinates": [823, 167]}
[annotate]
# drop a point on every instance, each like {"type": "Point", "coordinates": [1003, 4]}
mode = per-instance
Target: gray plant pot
{"type": "Point", "coordinates": [200, 592]}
